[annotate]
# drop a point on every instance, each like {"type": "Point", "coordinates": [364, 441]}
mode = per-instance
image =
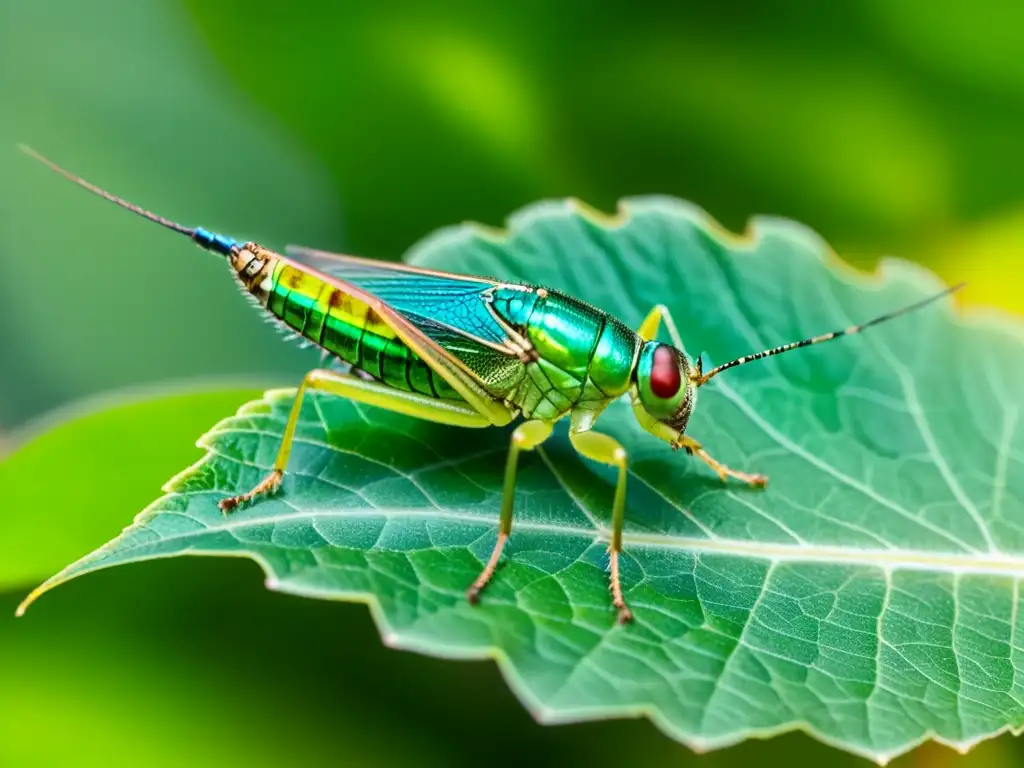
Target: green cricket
{"type": "Point", "coordinates": [472, 351]}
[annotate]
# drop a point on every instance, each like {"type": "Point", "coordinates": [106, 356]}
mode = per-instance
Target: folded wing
{"type": "Point", "coordinates": [446, 315]}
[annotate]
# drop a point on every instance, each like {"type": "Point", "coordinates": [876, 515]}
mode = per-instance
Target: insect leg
{"type": "Point", "coordinates": [694, 448]}
{"type": "Point", "coordinates": [525, 437]}
{"type": "Point", "coordinates": [648, 330]}
{"type": "Point", "coordinates": [602, 448]}
{"type": "Point", "coordinates": [370, 392]}
{"type": "Point", "coordinates": [649, 327]}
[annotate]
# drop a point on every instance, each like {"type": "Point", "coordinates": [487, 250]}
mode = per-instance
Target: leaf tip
{"type": "Point", "coordinates": [31, 598]}
{"type": "Point", "coordinates": [65, 575]}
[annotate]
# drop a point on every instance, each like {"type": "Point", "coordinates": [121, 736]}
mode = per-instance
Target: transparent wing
{"type": "Point", "coordinates": [443, 318]}
{"type": "Point", "coordinates": [439, 298]}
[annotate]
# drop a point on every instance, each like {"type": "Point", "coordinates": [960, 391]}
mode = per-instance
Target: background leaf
{"type": "Point", "coordinates": [127, 96]}
{"type": "Point", "coordinates": [869, 596]}
{"type": "Point", "coordinates": [139, 437]}
{"type": "Point", "coordinates": [885, 128]}
{"type": "Point", "coordinates": [167, 682]}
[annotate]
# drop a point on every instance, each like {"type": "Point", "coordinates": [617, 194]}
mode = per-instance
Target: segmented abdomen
{"type": "Point", "coordinates": [348, 328]}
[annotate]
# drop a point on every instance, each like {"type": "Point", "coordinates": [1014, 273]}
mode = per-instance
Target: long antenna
{"type": "Point", "coordinates": [702, 378]}
{"type": "Point", "coordinates": [217, 243]}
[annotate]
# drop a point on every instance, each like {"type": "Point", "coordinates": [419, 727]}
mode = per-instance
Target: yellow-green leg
{"type": "Point", "coordinates": [604, 449]}
{"type": "Point", "coordinates": [649, 330]}
{"type": "Point", "coordinates": [525, 437]}
{"type": "Point", "coordinates": [371, 392]}
{"type": "Point", "coordinates": [649, 327]}
{"type": "Point", "coordinates": [694, 448]}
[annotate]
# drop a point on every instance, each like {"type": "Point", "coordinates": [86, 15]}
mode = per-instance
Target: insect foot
{"type": "Point", "coordinates": [473, 593]}
{"type": "Point", "coordinates": [623, 614]}
{"type": "Point", "coordinates": [267, 485]}
{"type": "Point", "coordinates": [724, 472]}
{"type": "Point", "coordinates": [754, 480]}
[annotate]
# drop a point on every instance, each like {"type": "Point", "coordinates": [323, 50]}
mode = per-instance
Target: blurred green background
{"type": "Point", "coordinates": [890, 128]}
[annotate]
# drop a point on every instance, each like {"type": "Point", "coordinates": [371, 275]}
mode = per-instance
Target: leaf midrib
{"type": "Point", "coordinates": [999, 564]}
{"type": "Point", "coordinates": [730, 394]}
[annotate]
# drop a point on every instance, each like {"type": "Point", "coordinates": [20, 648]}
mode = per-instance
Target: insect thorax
{"type": "Point", "coordinates": [578, 355]}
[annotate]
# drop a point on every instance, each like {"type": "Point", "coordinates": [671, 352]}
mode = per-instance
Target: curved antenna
{"type": "Point", "coordinates": [208, 240]}
{"type": "Point", "coordinates": [106, 195]}
{"type": "Point", "coordinates": [703, 378]}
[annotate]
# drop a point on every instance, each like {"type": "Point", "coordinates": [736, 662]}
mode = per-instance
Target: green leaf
{"type": "Point", "coordinates": [58, 479]}
{"type": "Point", "coordinates": [868, 596]}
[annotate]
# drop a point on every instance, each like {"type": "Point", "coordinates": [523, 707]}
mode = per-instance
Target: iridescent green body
{"type": "Point", "coordinates": [577, 356]}
{"type": "Point", "coordinates": [584, 357]}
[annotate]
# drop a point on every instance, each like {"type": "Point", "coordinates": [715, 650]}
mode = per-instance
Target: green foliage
{"type": "Point", "coordinates": [872, 120]}
{"type": "Point", "coordinates": [869, 595]}
{"type": "Point", "coordinates": [128, 97]}
{"type": "Point", "coordinates": [116, 440]}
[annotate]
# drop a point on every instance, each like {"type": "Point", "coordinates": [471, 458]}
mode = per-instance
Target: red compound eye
{"type": "Point", "coordinates": [665, 376]}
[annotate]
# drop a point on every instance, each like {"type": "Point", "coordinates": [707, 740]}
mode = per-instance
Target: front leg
{"type": "Point", "coordinates": [649, 330]}
{"type": "Point", "coordinates": [677, 440]}
{"type": "Point", "coordinates": [694, 448]}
